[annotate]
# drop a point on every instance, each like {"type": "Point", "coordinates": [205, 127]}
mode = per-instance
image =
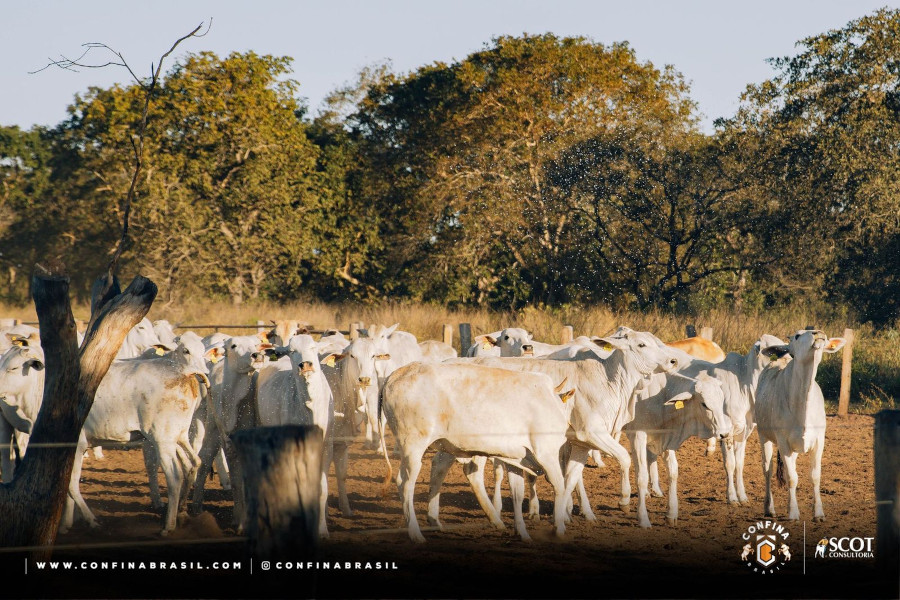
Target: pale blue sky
{"type": "Point", "coordinates": [719, 47]}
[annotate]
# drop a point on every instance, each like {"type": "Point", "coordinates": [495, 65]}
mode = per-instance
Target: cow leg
{"type": "Point", "coordinates": [534, 503]}
{"type": "Point", "coordinates": [579, 454]}
{"type": "Point", "coordinates": [211, 447]}
{"type": "Point", "coordinates": [598, 458]}
{"type": "Point", "coordinates": [327, 457]}
{"type": "Point", "coordinates": [410, 465]}
{"type": "Point", "coordinates": [168, 460]}
{"type": "Point", "coordinates": [728, 457]}
{"type": "Point", "coordinates": [151, 462]}
{"type": "Point", "coordinates": [237, 489]}
{"type": "Point", "coordinates": [7, 459]}
{"type": "Point", "coordinates": [341, 461]}
{"type": "Point", "coordinates": [639, 450]}
{"type": "Point", "coordinates": [768, 449]}
{"type": "Point", "coordinates": [710, 446]}
{"type": "Point", "coordinates": [98, 452]}
{"type": "Point", "coordinates": [740, 449]}
{"type": "Point", "coordinates": [815, 473]}
{"type": "Point", "coordinates": [498, 479]}
{"type": "Point", "coordinates": [672, 466]}
{"type": "Point", "coordinates": [440, 466]}
{"type": "Point", "coordinates": [549, 459]}
{"type": "Point", "coordinates": [790, 468]}
{"type": "Point", "coordinates": [517, 492]}
{"type": "Point", "coordinates": [474, 471]}
{"type": "Point", "coordinates": [221, 467]}
{"type": "Point", "coordinates": [605, 442]}
{"type": "Point", "coordinates": [74, 493]}
{"type": "Point", "coordinates": [653, 470]}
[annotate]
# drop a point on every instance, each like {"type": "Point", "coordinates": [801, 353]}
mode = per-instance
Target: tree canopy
{"type": "Point", "coordinates": [539, 169]}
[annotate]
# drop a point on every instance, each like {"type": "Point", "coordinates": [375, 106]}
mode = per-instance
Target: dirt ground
{"type": "Point", "coordinates": [699, 557]}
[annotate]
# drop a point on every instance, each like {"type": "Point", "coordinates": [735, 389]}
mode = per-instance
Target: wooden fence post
{"type": "Point", "coordinates": [690, 331]}
{"type": "Point", "coordinates": [354, 330]}
{"type": "Point", "coordinates": [567, 334]}
{"type": "Point", "coordinates": [844, 398]}
{"type": "Point", "coordinates": [706, 333]}
{"type": "Point", "coordinates": [260, 326]}
{"type": "Point", "coordinates": [282, 468]}
{"type": "Point", "coordinates": [4, 323]}
{"type": "Point", "coordinates": [448, 334]}
{"type": "Point", "coordinates": [887, 482]}
{"type": "Point", "coordinates": [465, 338]}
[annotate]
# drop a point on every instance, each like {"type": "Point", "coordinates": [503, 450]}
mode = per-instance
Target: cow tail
{"type": "Point", "coordinates": [779, 471]}
{"type": "Point", "coordinates": [387, 478]}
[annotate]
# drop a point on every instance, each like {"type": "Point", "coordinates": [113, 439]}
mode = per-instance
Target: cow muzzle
{"type": "Point", "coordinates": [528, 350]}
{"type": "Point", "coordinates": [365, 381]}
{"type": "Point", "coordinates": [306, 369]}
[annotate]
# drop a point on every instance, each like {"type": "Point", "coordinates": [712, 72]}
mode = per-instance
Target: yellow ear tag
{"type": "Point", "coordinates": [330, 361]}
{"type": "Point", "coordinates": [214, 359]}
{"type": "Point", "coordinates": [679, 405]}
{"type": "Point", "coordinates": [606, 346]}
{"type": "Point", "coordinates": [160, 352]}
{"type": "Point", "coordinates": [486, 346]}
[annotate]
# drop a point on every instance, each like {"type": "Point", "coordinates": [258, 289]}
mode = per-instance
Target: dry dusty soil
{"type": "Point", "coordinates": [611, 558]}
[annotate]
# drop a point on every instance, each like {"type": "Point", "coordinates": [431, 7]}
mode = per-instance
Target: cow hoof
{"type": "Point", "coordinates": [733, 501]}
{"type": "Point", "coordinates": [657, 493]}
{"type": "Point", "coordinates": [644, 523]}
{"type": "Point", "coordinates": [164, 533]}
{"type": "Point", "coordinates": [533, 516]}
{"type": "Point", "coordinates": [819, 518]}
{"type": "Point", "coordinates": [417, 538]}
{"type": "Point", "coordinates": [625, 507]}
{"type": "Point", "coordinates": [432, 522]}
{"type": "Point", "coordinates": [590, 517]}
{"type": "Point", "coordinates": [672, 522]}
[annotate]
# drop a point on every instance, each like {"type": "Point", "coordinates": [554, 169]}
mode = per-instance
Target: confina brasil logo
{"type": "Point", "coordinates": [766, 548]}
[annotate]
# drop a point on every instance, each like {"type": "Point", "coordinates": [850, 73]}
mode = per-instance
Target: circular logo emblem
{"type": "Point", "coordinates": [765, 548]}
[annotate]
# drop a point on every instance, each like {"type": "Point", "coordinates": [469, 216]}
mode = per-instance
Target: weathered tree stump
{"type": "Point", "coordinates": [32, 504]}
{"type": "Point", "coordinates": [282, 468]}
{"type": "Point", "coordinates": [887, 488]}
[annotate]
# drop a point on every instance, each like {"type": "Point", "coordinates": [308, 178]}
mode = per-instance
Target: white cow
{"type": "Point", "coordinates": [21, 394]}
{"type": "Point", "coordinates": [435, 351]}
{"type": "Point", "coordinates": [165, 332]}
{"type": "Point", "coordinates": [294, 391]}
{"type": "Point", "coordinates": [154, 399]}
{"type": "Point", "coordinates": [484, 345]}
{"type": "Point", "coordinates": [140, 338]}
{"type": "Point", "coordinates": [7, 334]}
{"type": "Point", "coordinates": [468, 410]}
{"type": "Point", "coordinates": [231, 407]}
{"type": "Point", "coordinates": [790, 414]}
{"type": "Point", "coordinates": [284, 330]}
{"type": "Point", "coordinates": [603, 401]}
{"type": "Point", "coordinates": [670, 408]}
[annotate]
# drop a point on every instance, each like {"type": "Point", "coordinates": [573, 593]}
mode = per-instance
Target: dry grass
{"type": "Point", "coordinates": [876, 359]}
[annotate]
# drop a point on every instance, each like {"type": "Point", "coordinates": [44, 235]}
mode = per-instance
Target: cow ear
{"type": "Point", "coordinates": [566, 395]}
{"type": "Point", "coordinates": [775, 352]}
{"type": "Point", "coordinates": [679, 399]}
{"type": "Point", "coordinates": [608, 344]}
{"type": "Point", "coordinates": [491, 340]}
{"type": "Point", "coordinates": [214, 354]}
{"type": "Point", "coordinates": [834, 344]}
{"type": "Point", "coordinates": [263, 335]}
{"type": "Point", "coordinates": [389, 330]}
{"type": "Point", "coordinates": [35, 364]}
{"type": "Point", "coordinates": [330, 359]}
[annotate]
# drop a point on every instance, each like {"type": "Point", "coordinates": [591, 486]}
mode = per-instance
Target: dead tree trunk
{"type": "Point", "coordinates": [32, 504]}
{"type": "Point", "coordinates": [282, 480]}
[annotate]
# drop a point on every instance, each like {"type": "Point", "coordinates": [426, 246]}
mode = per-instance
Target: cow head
{"type": "Point", "coordinates": [359, 372]}
{"type": "Point", "coordinates": [283, 331]}
{"type": "Point", "coordinates": [514, 341]}
{"type": "Point", "coordinates": [705, 396]}
{"type": "Point", "coordinates": [642, 350]}
{"type": "Point", "coordinates": [245, 354]}
{"type": "Point", "coordinates": [191, 354]}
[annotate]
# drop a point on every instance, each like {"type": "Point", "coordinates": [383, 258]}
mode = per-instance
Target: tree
{"type": "Point", "coordinates": [458, 157]}
{"type": "Point", "coordinates": [828, 125]}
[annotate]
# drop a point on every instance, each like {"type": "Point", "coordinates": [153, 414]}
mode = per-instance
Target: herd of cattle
{"type": "Point", "coordinates": [532, 408]}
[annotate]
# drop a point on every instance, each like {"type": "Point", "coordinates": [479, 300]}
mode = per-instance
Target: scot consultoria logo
{"type": "Point", "coordinates": [766, 548]}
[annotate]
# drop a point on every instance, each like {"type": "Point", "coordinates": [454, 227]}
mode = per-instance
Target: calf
{"type": "Point", "coordinates": [790, 414]}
